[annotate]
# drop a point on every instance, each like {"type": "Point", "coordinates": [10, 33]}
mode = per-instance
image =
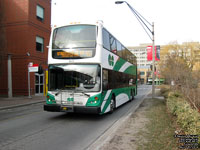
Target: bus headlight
{"type": "Point", "coordinates": [50, 99]}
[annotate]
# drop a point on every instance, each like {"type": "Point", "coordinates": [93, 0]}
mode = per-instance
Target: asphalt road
{"type": "Point", "coordinates": [31, 128]}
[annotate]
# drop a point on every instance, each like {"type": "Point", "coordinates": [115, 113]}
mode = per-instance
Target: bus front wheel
{"type": "Point", "coordinates": [112, 105]}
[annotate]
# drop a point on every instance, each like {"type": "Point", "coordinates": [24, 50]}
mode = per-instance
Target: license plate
{"type": "Point", "coordinates": [64, 108]}
{"type": "Point", "coordinates": [67, 109]}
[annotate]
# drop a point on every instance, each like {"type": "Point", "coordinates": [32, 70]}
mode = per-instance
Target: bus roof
{"type": "Point", "coordinates": [99, 22]}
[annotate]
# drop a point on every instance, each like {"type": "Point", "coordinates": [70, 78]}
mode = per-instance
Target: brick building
{"type": "Point", "coordinates": [25, 27]}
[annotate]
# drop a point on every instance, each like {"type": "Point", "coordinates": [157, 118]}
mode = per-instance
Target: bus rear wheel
{"type": "Point", "coordinates": [132, 95]}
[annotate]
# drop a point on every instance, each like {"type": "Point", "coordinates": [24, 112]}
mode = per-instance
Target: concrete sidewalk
{"type": "Point", "coordinates": [7, 103]}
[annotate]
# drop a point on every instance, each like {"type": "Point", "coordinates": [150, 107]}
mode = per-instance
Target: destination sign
{"type": "Point", "coordinates": [73, 54]}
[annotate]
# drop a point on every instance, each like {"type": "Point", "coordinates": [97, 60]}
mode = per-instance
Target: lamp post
{"type": "Point", "coordinates": [10, 89]}
{"type": "Point", "coordinates": [144, 23]}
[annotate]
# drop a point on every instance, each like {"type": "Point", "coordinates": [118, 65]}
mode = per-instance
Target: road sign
{"type": "Point", "coordinates": [33, 67]}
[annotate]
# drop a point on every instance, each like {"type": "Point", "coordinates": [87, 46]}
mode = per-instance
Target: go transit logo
{"type": "Point", "coordinates": [111, 60]}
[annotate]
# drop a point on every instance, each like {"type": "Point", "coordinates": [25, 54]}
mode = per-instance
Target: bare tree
{"type": "Point", "coordinates": [178, 66]}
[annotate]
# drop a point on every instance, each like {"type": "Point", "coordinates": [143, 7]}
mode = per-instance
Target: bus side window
{"type": "Point", "coordinates": [119, 49]}
{"type": "Point", "coordinates": [106, 40]}
{"type": "Point", "coordinates": [113, 44]}
{"type": "Point", "coordinates": [123, 52]}
{"type": "Point", "coordinates": [105, 80]}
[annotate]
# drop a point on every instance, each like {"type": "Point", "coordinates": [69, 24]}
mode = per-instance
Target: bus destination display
{"type": "Point", "coordinates": [73, 54]}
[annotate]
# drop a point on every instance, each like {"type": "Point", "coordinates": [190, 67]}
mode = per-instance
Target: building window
{"type": "Point", "coordinates": [39, 44]}
{"type": "Point", "coordinates": [40, 13]}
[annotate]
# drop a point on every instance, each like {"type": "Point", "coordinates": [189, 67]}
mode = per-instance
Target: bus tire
{"type": "Point", "coordinates": [132, 95]}
{"type": "Point", "coordinates": [112, 105]}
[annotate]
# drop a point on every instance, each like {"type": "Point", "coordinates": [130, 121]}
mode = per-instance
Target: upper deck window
{"type": "Point", "coordinates": [74, 36]}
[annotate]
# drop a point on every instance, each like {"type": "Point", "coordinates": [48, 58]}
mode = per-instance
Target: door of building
{"type": "Point", "coordinates": [39, 84]}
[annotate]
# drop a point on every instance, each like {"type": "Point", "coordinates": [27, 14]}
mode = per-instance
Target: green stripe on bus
{"type": "Point", "coordinates": [106, 105]}
{"type": "Point", "coordinates": [130, 70]}
{"type": "Point", "coordinates": [120, 62]}
{"type": "Point", "coordinates": [107, 100]}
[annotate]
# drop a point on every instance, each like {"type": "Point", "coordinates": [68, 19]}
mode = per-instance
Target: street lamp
{"type": "Point", "coordinates": [144, 23]}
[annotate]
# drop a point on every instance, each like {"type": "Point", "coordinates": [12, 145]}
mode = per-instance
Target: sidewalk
{"type": "Point", "coordinates": [6, 103]}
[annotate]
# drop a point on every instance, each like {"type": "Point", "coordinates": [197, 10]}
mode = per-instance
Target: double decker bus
{"type": "Point", "coordinates": [89, 70]}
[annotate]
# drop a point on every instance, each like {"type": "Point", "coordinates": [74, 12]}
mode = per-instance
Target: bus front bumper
{"type": "Point", "coordinates": [75, 109]}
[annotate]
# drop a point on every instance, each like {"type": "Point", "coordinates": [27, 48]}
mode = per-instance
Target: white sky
{"type": "Point", "coordinates": [175, 20]}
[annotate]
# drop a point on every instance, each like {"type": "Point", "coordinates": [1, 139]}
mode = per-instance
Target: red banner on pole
{"type": "Point", "coordinates": [150, 53]}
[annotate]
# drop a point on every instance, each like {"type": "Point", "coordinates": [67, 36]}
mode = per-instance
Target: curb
{"type": "Point", "coordinates": [21, 105]}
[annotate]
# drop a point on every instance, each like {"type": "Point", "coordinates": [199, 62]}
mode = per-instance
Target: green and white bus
{"type": "Point", "coordinates": [90, 71]}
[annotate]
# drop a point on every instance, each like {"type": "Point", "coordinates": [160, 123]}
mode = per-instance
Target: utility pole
{"type": "Point", "coordinates": [153, 63]}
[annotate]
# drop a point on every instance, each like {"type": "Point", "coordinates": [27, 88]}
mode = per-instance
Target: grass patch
{"type": "Point", "coordinates": [159, 133]}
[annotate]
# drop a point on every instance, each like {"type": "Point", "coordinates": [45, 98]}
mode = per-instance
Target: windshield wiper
{"type": "Point", "coordinates": [59, 91]}
{"type": "Point", "coordinates": [81, 47]}
{"type": "Point", "coordinates": [82, 92]}
{"type": "Point", "coordinates": [85, 94]}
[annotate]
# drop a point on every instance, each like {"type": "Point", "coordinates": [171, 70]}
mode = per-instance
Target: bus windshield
{"type": "Point", "coordinates": [74, 36]}
{"type": "Point", "coordinates": [83, 78]}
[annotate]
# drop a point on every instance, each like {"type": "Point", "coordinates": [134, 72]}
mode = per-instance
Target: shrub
{"type": "Point", "coordinates": [187, 118]}
{"type": "Point", "coordinates": [164, 90]}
